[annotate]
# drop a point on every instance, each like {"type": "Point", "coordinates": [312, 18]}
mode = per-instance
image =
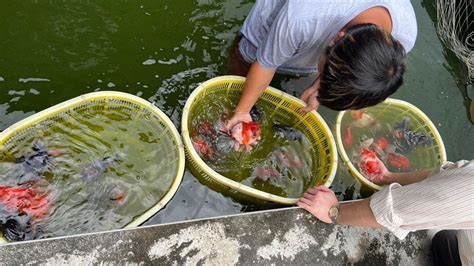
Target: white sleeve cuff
{"type": "Point", "coordinates": [381, 204]}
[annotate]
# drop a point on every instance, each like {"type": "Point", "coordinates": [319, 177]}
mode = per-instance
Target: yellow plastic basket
{"type": "Point", "coordinates": [17, 134]}
{"type": "Point", "coordinates": [286, 109]}
{"type": "Point", "coordinates": [396, 110]}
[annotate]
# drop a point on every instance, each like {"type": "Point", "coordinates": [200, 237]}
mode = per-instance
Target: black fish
{"type": "Point", "coordinates": [256, 114]}
{"type": "Point", "coordinates": [406, 139]}
{"type": "Point", "coordinates": [37, 162]}
{"type": "Point", "coordinates": [288, 132]}
{"type": "Point", "coordinates": [224, 143]}
{"type": "Point", "coordinates": [18, 228]}
{"type": "Point", "coordinates": [96, 168]}
{"type": "Point", "coordinates": [33, 165]}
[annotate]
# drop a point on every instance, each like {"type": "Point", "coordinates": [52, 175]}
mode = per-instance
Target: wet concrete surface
{"type": "Point", "coordinates": [279, 237]}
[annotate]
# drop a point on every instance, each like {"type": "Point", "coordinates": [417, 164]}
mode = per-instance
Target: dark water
{"type": "Point", "coordinates": [51, 51]}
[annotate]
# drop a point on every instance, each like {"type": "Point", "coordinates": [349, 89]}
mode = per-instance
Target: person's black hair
{"type": "Point", "coordinates": [362, 69]}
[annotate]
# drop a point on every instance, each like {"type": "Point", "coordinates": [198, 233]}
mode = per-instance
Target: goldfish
{"type": "Point", "coordinates": [347, 139]}
{"type": "Point", "coordinates": [20, 209]}
{"type": "Point", "coordinates": [371, 166]}
{"type": "Point", "coordinates": [379, 146]}
{"type": "Point", "coordinates": [360, 120]}
{"type": "Point", "coordinates": [387, 152]}
{"type": "Point", "coordinates": [265, 173]}
{"type": "Point", "coordinates": [399, 161]}
{"type": "Point", "coordinates": [212, 141]}
{"type": "Point", "coordinates": [203, 147]}
{"type": "Point", "coordinates": [117, 195]}
{"type": "Point", "coordinates": [288, 158]}
{"type": "Point", "coordinates": [246, 134]}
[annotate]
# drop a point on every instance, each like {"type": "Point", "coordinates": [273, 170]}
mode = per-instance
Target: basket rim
{"type": "Point", "coordinates": [345, 158]}
{"type": "Point", "coordinates": [241, 188]}
{"type": "Point", "coordinates": [89, 97]}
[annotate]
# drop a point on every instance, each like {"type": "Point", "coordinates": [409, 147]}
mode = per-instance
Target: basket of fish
{"type": "Point", "coordinates": [393, 136]}
{"type": "Point", "coordinates": [101, 161]}
{"type": "Point", "coordinates": [272, 159]}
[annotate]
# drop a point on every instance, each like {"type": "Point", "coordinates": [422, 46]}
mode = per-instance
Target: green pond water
{"type": "Point", "coordinates": [51, 51]}
{"type": "Point", "coordinates": [278, 164]}
{"type": "Point", "coordinates": [107, 167]}
{"type": "Point", "coordinates": [401, 140]}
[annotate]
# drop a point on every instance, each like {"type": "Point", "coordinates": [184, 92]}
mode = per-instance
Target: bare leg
{"type": "Point", "coordinates": [236, 63]}
{"type": "Point", "coordinates": [472, 110]}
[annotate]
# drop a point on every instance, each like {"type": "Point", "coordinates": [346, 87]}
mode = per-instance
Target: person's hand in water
{"type": "Point", "coordinates": [309, 97]}
{"type": "Point", "coordinates": [318, 201]}
{"type": "Point", "coordinates": [235, 119]}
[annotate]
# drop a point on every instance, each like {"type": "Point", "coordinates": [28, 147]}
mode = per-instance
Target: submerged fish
{"type": "Point", "coordinates": [288, 158]}
{"type": "Point", "coordinates": [20, 209]}
{"type": "Point", "coordinates": [211, 142]}
{"type": "Point", "coordinates": [96, 168]}
{"type": "Point", "coordinates": [371, 166]}
{"type": "Point", "coordinates": [287, 132]}
{"type": "Point", "coordinates": [35, 164]}
{"type": "Point", "coordinates": [118, 195]}
{"type": "Point", "coordinates": [203, 146]}
{"type": "Point", "coordinates": [266, 172]}
{"type": "Point", "coordinates": [399, 161]}
{"type": "Point", "coordinates": [406, 139]}
{"type": "Point", "coordinates": [360, 120]}
{"type": "Point", "coordinates": [246, 134]}
{"type": "Point", "coordinates": [347, 139]}
{"type": "Point", "coordinates": [256, 114]}
{"type": "Point", "coordinates": [386, 152]}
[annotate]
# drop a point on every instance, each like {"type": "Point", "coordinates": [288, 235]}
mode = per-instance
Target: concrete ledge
{"type": "Point", "coordinates": [283, 236]}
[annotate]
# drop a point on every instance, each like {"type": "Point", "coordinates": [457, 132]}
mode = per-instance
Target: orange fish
{"type": "Point", "coordinates": [266, 172]}
{"type": "Point", "coordinates": [399, 161]}
{"type": "Point", "coordinates": [203, 147]}
{"type": "Point", "coordinates": [348, 137]}
{"type": "Point", "coordinates": [380, 147]}
{"type": "Point", "coordinates": [25, 201]}
{"type": "Point", "coordinates": [205, 128]}
{"type": "Point", "coordinates": [383, 143]}
{"type": "Point", "coordinates": [362, 119]}
{"type": "Point", "coordinates": [118, 195]}
{"type": "Point", "coordinates": [371, 167]}
{"type": "Point", "coordinates": [288, 158]}
{"type": "Point", "coordinates": [246, 134]}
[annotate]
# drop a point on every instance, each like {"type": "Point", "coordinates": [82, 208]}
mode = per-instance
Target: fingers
{"type": "Point", "coordinates": [308, 196]}
{"type": "Point", "coordinates": [306, 201]}
{"type": "Point", "coordinates": [304, 97]}
{"type": "Point", "coordinates": [312, 103]}
{"type": "Point", "coordinates": [324, 188]}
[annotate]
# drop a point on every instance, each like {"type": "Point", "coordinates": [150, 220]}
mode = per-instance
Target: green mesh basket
{"type": "Point", "coordinates": [286, 110]}
{"type": "Point", "coordinates": [429, 157]}
{"type": "Point", "coordinates": [170, 141]}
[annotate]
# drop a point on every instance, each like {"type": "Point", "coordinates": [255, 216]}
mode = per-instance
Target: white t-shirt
{"type": "Point", "coordinates": [291, 35]}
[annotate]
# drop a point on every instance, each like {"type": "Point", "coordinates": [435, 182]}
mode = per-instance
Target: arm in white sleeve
{"type": "Point", "coordinates": [444, 200]}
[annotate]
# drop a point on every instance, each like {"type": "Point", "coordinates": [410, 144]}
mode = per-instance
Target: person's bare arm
{"type": "Point", "coordinates": [309, 97]}
{"type": "Point", "coordinates": [320, 199]}
{"type": "Point", "coordinates": [406, 178]}
{"type": "Point", "coordinates": [257, 81]}
{"type": "Point", "coordinates": [357, 213]}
